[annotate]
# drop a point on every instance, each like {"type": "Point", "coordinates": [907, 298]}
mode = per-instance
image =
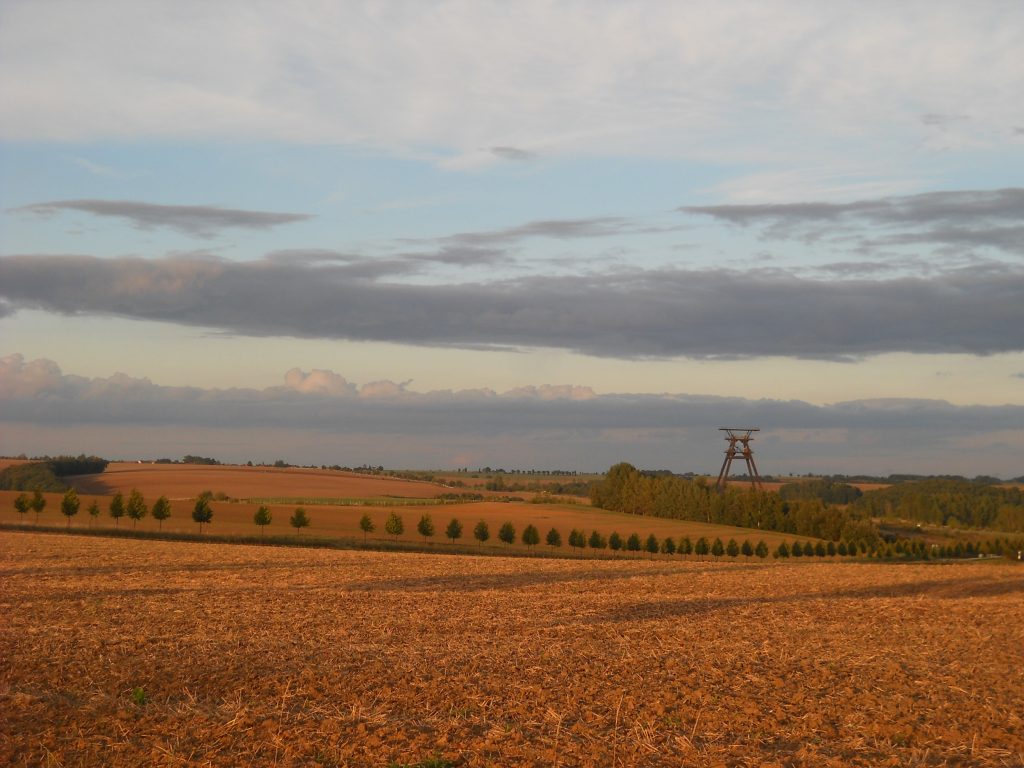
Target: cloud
{"type": "Point", "coordinates": [702, 79]}
{"type": "Point", "coordinates": [319, 382]}
{"type": "Point", "coordinates": [954, 207]}
{"type": "Point", "coordinates": [513, 153]}
{"type": "Point", "coordinates": [557, 229]}
{"type": "Point", "coordinates": [968, 218]}
{"type": "Point", "coordinates": [195, 220]}
{"type": "Point", "coordinates": [319, 412]}
{"type": "Point", "coordinates": [626, 314]}
{"type": "Point", "coordinates": [941, 120]}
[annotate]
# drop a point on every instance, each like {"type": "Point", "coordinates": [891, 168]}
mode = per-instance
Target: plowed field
{"type": "Point", "coordinates": [128, 653]}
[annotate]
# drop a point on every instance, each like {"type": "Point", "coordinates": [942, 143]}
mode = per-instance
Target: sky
{"type": "Point", "coordinates": [526, 235]}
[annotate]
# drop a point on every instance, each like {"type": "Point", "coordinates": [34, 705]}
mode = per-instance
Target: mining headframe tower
{"type": "Point", "coordinates": [739, 436]}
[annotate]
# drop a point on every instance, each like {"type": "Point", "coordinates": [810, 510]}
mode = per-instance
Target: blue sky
{"type": "Point", "coordinates": [764, 202]}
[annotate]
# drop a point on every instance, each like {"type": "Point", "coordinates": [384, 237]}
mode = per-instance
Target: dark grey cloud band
{"type": "Point", "coordinates": [658, 313]}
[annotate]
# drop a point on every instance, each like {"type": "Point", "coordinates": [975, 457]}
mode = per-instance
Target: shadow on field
{"type": "Point", "coordinates": [511, 581]}
{"type": "Point", "coordinates": [95, 485]}
{"type": "Point", "coordinates": [955, 589]}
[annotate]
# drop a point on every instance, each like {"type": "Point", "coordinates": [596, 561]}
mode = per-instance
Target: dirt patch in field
{"type": "Point", "coordinates": [126, 653]}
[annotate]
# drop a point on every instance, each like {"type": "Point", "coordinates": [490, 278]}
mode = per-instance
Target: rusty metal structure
{"type": "Point", "coordinates": [739, 436]}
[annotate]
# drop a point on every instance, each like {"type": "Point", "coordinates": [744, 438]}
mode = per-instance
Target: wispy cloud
{"type": "Point", "coordinates": [941, 120]}
{"type": "Point", "coordinates": [627, 314]}
{"type": "Point", "coordinates": [663, 79]}
{"type": "Point", "coordinates": [513, 153]}
{"type": "Point", "coordinates": [557, 229]}
{"type": "Point", "coordinates": [968, 218]}
{"type": "Point", "coordinates": [195, 220]}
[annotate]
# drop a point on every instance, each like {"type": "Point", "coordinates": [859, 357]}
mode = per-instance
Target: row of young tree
{"type": "Point", "coordinates": [900, 549]}
{"type": "Point", "coordinates": [135, 509]}
{"type": "Point", "coordinates": [530, 536]}
{"type": "Point", "coordinates": [624, 488]}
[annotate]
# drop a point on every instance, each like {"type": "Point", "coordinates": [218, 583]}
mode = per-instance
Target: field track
{"type": "Point", "coordinates": [127, 653]}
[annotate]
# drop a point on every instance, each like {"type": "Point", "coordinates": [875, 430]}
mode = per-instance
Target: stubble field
{"type": "Point", "coordinates": [122, 652]}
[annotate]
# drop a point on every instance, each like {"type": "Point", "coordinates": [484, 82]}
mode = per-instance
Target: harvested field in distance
{"type": "Point", "coordinates": [188, 480]}
{"type": "Point", "coordinates": [126, 653]}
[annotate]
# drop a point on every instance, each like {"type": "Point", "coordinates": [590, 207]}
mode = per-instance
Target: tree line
{"type": "Point", "coordinates": [44, 472]}
{"type": "Point", "coordinates": [625, 488]}
{"type": "Point", "coordinates": [948, 501]}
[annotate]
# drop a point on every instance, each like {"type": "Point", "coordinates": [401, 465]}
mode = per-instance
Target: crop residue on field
{"type": "Point", "coordinates": [120, 653]}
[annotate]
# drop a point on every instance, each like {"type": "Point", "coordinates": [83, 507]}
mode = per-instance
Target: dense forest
{"type": "Point", "coordinates": [44, 473]}
{"type": "Point", "coordinates": [945, 501]}
{"type": "Point", "coordinates": [627, 489]}
{"type": "Point", "coordinates": [825, 508]}
{"type": "Point", "coordinates": [825, 489]}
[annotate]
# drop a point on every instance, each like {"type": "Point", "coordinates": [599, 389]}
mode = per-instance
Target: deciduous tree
{"type": "Point", "coordinates": [394, 526]}
{"type": "Point", "coordinates": [117, 508]}
{"type": "Point", "coordinates": [425, 527]}
{"type": "Point", "coordinates": [554, 538]}
{"type": "Point", "coordinates": [531, 536]}
{"type": "Point", "coordinates": [94, 512]}
{"type": "Point", "coordinates": [299, 520]}
{"type": "Point", "coordinates": [202, 512]}
{"type": "Point", "coordinates": [685, 546]}
{"type": "Point", "coordinates": [262, 518]}
{"type": "Point", "coordinates": [454, 530]}
{"type": "Point", "coordinates": [161, 511]}
{"type": "Point", "coordinates": [69, 505]}
{"type": "Point", "coordinates": [481, 532]}
{"type": "Point", "coordinates": [507, 533]}
{"type": "Point", "coordinates": [366, 525]}
{"type": "Point", "coordinates": [136, 507]}
{"type": "Point", "coordinates": [38, 503]}
{"type": "Point", "coordinates": [652, 544]}
{"type": "Point", "coordinates": [22, 504]}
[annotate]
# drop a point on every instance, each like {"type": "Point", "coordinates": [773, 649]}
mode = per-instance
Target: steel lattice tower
{"type": "Point", "coordinates": [742, 436]}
